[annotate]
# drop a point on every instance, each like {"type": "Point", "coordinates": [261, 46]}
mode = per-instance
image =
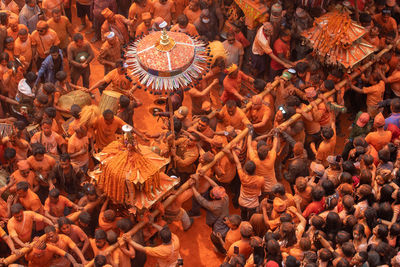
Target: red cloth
{"type": "Point", "coordinates": [240, 38]}
{"type": "Point", "coordinates": [280, 47]}
{"type": "Point", "coordinates": [395, 131]}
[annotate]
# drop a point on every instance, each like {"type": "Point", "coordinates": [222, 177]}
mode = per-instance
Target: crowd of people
{"type": "Point", "coordinates": [308, 192]}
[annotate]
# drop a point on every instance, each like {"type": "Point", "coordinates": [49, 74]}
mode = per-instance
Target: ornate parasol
{"type": "Point", "coordinates": [338, 40]}
{"type": "Point", "coordinates": [165, 61]}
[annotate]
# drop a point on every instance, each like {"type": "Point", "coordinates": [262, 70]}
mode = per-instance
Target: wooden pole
{"type": "Point", "coordinates": [220, 154]}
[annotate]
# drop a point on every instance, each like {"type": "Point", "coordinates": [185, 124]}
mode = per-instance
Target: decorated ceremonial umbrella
{"type": "Point", "coordinates": [165, 61]}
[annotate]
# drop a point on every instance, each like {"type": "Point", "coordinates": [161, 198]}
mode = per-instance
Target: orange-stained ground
{"type": "Point", "coordinates": [196, 247]}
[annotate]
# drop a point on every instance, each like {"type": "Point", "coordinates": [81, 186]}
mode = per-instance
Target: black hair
{"type": "Point", "coordinates": [23, 186]}
{"type": "Point", "coordinates": [317, 193]}
{"type": "Point", "coordinates": [124, 101]}
{"type": "Point", "coordinates": [108, 112]}
{"type": "Point", "coordinates": [16, 208]}
{"type": "Point", "coordinates": [54, 193]}
{"type": "Point", "coordinates": [165, 235]}
{"type": "Point", "coordinates": [100, 234]}
{"type": "Point", "coordinates": [51, 112]}
{"type": "Point", "coordinates": [77, 37]}
{"type": "Point", "coordinates": [62, 221]}
{"type": "Point", "coordinates": [85, 217]}
{"type": "Point", "coordinates": [250, 167]}
{"type": "Point", "coordinates": [38, 148]}
{"type": "Point", "coordinates": [9, 153]}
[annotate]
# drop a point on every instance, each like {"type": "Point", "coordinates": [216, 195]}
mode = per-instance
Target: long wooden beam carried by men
{"type": "Point", "coordinates": [12, 258]}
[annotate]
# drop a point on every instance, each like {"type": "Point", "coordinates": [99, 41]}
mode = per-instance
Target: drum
{"type": "Point", "coordinates": [32, 129]}
{"type": "Point", "coordinates": [5, 129]}
{"type": "Point", "coordinates": [109, 100]}
{"type": "Point", "coordinates": [76, 97]}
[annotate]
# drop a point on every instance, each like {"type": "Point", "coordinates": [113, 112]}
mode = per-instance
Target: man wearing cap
{"type": "Point", "coordinates": [380, 137]}
{"type": "Point", "coordinates": [43, 39]}
{"type": "Point", "coordinates": [117, 24]}
{"type": "Point", "coordinates": [99, 6]}
{"type": "Point", "coordinates": [145, 27]}
{"type": "Point", "coordinates": [80, 54]}
{"type": "Point", "coordinates": [29, 15]}
{"type": "Point", "coordinates": [361, 127]}
{"type": "Point", "coordinates": [135, 13]}
{"type": "Point", "coordinates": [110, 52]}
{"type": "Point", "coordinates": [385, 22]}
{"type": "Point", "coordinates": [232, 83]}
{"type": "Point", "coordinates": [217, 208]}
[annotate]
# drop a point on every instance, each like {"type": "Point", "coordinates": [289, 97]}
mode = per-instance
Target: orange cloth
{"type": "Point", "coordinates": [119, 82]}
{"type": "Point", "coordinates": [44, 42]}
{"type": "Point", "coordinates": [44, 167]}
{"type": "Point", "coordinates": [23, 229]}
{"type": "Point", "coordinates": [118, 27]}
{"type": "Point", "coordinates": [374, 93]}
{"type": "Point", "coordinates": [257, 116]}
{"type": "Point", "coordinates": [77, 234]}
{"type": "Point", "coordinates": [237, 121]}
{"type": "Point", "coordinates": [106, 226]}
{"type": "Point", "coordinates": [23, 50]}
{"type": "Point", "coordinates": [61, 28]}
{"type": "Point", "coordinates": [57, 209]}
{"type": "Point", "coordinates": [190, 29]}
{"type": "Point", "coordinates": [232, 85]}
{"type": "Point", "coordinates": [250, 189]}
{"type": "Point", "coordinates": [228, 168]}
{"type": "Point", "coordinates": [378, 139]}
{"type": "Point", "coordinates": [142, 29]}
{"type": "Point", "coordinates": [50, 143]}
{"type": "Point", "coordinates": [66, 244]}
{"type": "Point", "coordinates": [75, 145]}
{"type": "Point", "coordinates": [106, 133]}
{"type": "Point", "coordinates": [31, 202]}
{"type": "Point", "coordinates": [165, 254]}
{"type": "Point", "coordinates": [46, 259]}
{"type": "Point", "coordinates": [265, 168]}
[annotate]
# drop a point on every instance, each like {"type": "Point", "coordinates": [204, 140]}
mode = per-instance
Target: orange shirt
{"type": "Point", "coordinates": [105, 133]}
{"type": "Point", "coordinates": [394, 80]}
{"type": "Point", "coordinates": [31, 180]}
{"type": "Point", "coordinates": [190, 29]}
{"type": "Point", "coordinates": [120, 258]}
{"type": "Point", "coordinates": [389, 26]}
{"type": "Point", "coordinates": [250, 189]}
{"type": "Point", "coordinates": [77, 234]}
{"type": "Point", "coordinates": [237, 121]}
{"type": "Point", "coordinates": [378, 139]}
{"type": "Point", "coordinates": [23, 50]}
{"type": "Point", "coordinates": [61, 28]}
{"type": "Point", "coordinates": [244, 249]}
{"type": "Point", "coordinates": [231, 237]}
{"type": "Point", "coordinates": [31, 202]}
{"type": "Point", "coordinates": [374, 93]}
{"type": "Point", "coordinates": [44, 167]}
{"type": "Point", "coordinates": [23, 229]}
{"type": "Point", "coordinates": [265, 168]}
{"type": "Point", "coordinates": [142, 29]}
{"type": "Point", "coordinates": [14, 34]}
{"type": "Point", "coordinates": [49, 142]}
{"type": "Point", "coordinates": [232, 86]}
{"type": "Point", "coordinates": [166, 254]}
{"type": "Point", "coordinates": [257, 116]}
{"type": "Point", "coordinates": [57, 209]}
{"type": "Point", "coordinates": [46, 259]}
{"type": "Point", "coordinates": [75, 145]}
{"type": "Point", "coordinates": [228, 168]}
{"type": "Point", "coordinates": [44, 42]}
